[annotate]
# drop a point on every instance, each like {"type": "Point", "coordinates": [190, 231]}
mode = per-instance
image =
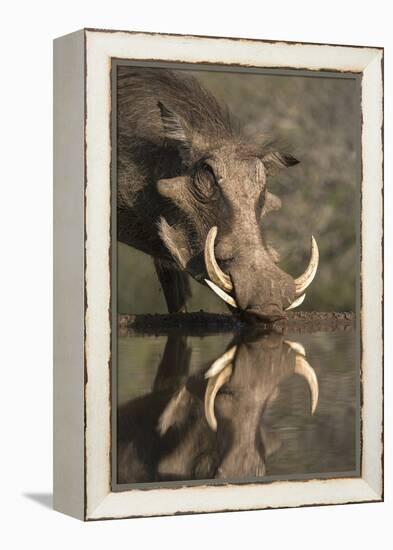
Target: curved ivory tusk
{"type": "Point", "coordinates": [303, 368]}
{"type": "Point", "coordinates": [223, 295]}
{"type": "Point", "coordinates": [296, 346]}
{"type": "Point", "coordinates": [302, 282]}
{"type": "Point", "coordinates": [220, 363]}
{"type": "Point", "coordinates": [213, 387]}
{"type": "Point", "coordinates": [213, 269]}
{"type": "Point", "coordinates": [296, 302]}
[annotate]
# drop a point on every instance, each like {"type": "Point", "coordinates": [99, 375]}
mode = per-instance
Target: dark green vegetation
{"type": "Point", "coordinates": [318, 121]}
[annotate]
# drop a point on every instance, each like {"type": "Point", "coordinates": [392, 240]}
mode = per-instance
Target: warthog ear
{"type": "Point", "coordinates": [175, 130]}
{"type": "Point", "coordinates": [274, 161]}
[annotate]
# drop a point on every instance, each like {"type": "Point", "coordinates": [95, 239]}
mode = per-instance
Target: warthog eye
{"type": "Point", "coordinates": [205, 183]}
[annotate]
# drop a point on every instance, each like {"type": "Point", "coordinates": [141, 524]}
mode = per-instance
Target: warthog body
{"type": "Point", "coordinates": [192, 193]}
{"type": "Point", "coordinates": [211, 424]}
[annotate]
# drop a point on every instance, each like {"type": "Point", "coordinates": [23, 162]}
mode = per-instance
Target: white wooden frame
{"type": "Point", "coordinates": [82, 470]}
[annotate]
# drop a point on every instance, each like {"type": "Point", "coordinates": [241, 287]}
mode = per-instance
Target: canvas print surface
{"type": "Point", "coordinates": [235, 274]}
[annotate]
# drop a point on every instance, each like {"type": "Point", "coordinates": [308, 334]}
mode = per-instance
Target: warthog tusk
{"type": "Point", "coordinates": [214, 271]}
{"type": "Point", "coordinates": [302, 282]}
{"type": "Point", "coordinates": [296, 302]}
{"type": "Point", "coordinates": [220, 363]}
{"type": "Point", "coordinates": [223, 295]}
{"type": "Point", "coordinates": [303, 368]}
{"type": "Point", "coordinates": [213, 387]}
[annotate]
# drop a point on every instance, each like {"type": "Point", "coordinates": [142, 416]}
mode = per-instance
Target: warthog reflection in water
{"type": "Point", "coordinates": [209, 425]}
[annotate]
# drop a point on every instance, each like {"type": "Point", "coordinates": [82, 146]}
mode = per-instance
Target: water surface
{"type": "Point", "coordinates": [250, 419]}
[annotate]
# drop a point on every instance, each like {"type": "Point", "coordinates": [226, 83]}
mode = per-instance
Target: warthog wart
{"type": "Point", "coordinates": [192, 193]}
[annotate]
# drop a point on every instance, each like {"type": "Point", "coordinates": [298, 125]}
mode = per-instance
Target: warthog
{"type": "Point", "coordinates": [212, 424]}
{"type": "Point", "coordinates": [192, 193]}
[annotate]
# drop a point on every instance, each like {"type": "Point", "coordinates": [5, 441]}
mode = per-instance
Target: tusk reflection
{"type": "Point", "coordinates": [296, 346]}
{"type": "Point", "coordinates": [213, 387]}
{"type": "Point", "coordinates": [220, 363]}
{"type": "Point", "coordinates": [303, 368]}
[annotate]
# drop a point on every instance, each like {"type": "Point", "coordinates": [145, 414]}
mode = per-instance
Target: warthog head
{"type": "Point", "coordinates": [220, 199]}
{"type": "Point", "coordinates": [211, 424]}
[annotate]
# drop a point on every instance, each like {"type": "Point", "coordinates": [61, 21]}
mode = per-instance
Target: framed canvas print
{"type": "Point", "coordinates": [218, 274]}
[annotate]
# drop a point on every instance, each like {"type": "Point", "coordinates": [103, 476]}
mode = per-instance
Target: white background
{"type": "Point", "coordinates": [26, 271]}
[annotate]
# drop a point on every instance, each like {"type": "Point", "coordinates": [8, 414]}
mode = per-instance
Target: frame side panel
{"type": "Point", "coordinates": [68, 242]}
{"type": "Point", "coordinates": [372, 274]}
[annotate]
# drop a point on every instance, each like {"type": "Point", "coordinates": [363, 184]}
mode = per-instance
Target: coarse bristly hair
{"type": "Point", "coordinates": [140, 90]}
{"type": "Point", "coordinates": [162, 117]}
{"type": "Point", "coordinates": [170, 130]}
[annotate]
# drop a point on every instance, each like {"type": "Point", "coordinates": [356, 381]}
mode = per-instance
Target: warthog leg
{"type": "Point", "coordinates": [175, 285]}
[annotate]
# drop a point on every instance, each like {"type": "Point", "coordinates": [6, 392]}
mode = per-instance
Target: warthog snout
{"type": "Point", "coordinates": [251, 282]}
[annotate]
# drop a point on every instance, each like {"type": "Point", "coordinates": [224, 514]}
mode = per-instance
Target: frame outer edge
{"type": "Point", "coordinates": [101, 503]}
{"type": "Point", "coordinates": [372, 272]}
{"type": "Point", "coordinates": [68, 271]}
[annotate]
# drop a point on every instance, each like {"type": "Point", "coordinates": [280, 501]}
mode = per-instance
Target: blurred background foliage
{"type": "Point", "coordinates": [317, 119]}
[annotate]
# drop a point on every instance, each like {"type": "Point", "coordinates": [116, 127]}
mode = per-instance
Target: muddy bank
{"type": "Point", "coordinates": [199, 323]}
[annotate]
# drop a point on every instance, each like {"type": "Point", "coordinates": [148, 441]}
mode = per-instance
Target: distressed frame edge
{"type": "Point", "coordinates": [360, 492]}
{"type": "Point", "coordinates": [373, 485]}
{"type": "Point", "coordinates": [236, 38]}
